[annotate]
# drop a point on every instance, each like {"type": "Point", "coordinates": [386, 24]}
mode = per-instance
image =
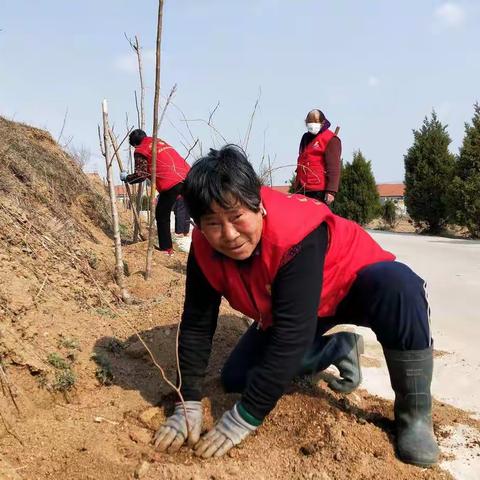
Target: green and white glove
{"type": "Point", "coordinates": [173, 433]}
{"type": "Point", "coordinates": [229, 431]}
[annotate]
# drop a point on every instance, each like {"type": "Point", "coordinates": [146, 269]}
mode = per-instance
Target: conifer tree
{"type": "Point", "coordinates": [357, 198]}
{"type": "Point", "coordinates": [464, 194]}
{"type": "Point", "coordinates": [291, 183]}
{"type": "Point", "coordinates": [428, 174]}
{"type": "Point", "coordinates": [389, 213]}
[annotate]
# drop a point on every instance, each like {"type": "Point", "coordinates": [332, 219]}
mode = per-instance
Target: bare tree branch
{"type": "Point", "coordinates": [191, 148]}
{"type": "Point", "coordinates": [169, 98]}
{"type": "Point", "coordinates": [250, 123]}
{"type": "Point", "coordinates": [63, 126]}
{"type": "Point", "coordinates": [137, 108]}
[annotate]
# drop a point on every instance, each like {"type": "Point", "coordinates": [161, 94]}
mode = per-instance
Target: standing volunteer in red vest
{"type": "Point", "coordinates": [297, 269]}
{"type": "Point", "coordinates": [171, 172]}
{"type": "Point", "coordinates": [318, 165]}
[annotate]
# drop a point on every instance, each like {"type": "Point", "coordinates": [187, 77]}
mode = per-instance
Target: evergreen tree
{"type": "Point", "coordinates": [291, 183]}
{"type": "Point", "coordinates": [389, 213]}
{"type": "Point", "coordinates": [428, 174]}
{"type": "Point", "coordinates": [464, 193]}
{"type": "Point", "coordinates": [357, 198]}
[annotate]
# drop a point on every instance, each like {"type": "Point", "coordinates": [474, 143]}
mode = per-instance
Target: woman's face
{"type": "Point", "coordinates": [235, 231]}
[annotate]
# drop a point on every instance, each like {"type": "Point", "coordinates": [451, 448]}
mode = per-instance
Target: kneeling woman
{"type": "Point", "coordinates": [297, 270]}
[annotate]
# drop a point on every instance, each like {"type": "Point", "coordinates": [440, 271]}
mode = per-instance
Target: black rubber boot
{"type": "Point", "coordinates": [341, 349]}
{"type": "Point", "coordinates": [411, 376]}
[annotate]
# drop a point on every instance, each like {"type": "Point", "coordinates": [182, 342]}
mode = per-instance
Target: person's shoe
{"type": "Point", "coordinates": [341, 349]}
{"type": "Point", "coordinates": [410, 377]}
{"type": "Point", "coordinates": [168, 251]}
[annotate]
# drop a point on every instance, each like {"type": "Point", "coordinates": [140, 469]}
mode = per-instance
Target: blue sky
{"type": "Point", "coordinates": [375, 67]}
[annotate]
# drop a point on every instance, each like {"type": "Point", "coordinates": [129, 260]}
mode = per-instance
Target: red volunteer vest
{"type": "Point", "coordinates": [311, 162]}
{"type": "Point", "coordinates": [171, 167]}
{"type": "Point", "coordinates": [289, 219]}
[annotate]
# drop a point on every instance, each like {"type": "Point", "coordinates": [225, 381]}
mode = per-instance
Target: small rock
{"type": "Point", "coordinates": [362, 421]}
{"type": "Point", "coordinates": [338, 456]}
{"type": "Point", "coordinates": [140, 435]}
{"type": "Point", "coordinates": [147, 416]}
{"type": "Point", "coordinates": [378, 454]}
{"type": "Point", "coordinates": [233, 471]}
{"type": "Point", "coordinates": [141, 469]}
{"type": "Point", "coordinates": [308, 449]}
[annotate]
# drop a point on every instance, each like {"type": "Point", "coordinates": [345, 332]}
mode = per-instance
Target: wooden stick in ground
{"type": "Point", "coordinates": [151, 232]}
{"type": "Point", "coordinates": [119, 276]}
{"type": "Point", "coordinates": [127, 186]}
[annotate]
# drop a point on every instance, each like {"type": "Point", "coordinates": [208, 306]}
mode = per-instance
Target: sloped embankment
{"type": "Point", "coordinates": [52, 220]}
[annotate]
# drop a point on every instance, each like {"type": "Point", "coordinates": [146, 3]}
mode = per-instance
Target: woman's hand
{"type": "Point", "coordinates": [229, 431]}
{"type": "Point", "coordinates": [173, 433]}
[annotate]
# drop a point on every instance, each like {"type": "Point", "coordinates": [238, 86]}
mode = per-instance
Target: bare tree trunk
{"type": "Point", "coordinates": [142, 85]}
{"type": "Point", "coordinates": [151, 232]}
{"type": "Point", "coordinates": [127, 186]}
{"type": "Point", "coordinates": [115, 223]}
{"type": "Point", "coordinates": [140, 189]}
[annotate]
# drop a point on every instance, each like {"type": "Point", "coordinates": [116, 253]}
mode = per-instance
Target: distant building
{"type": "Point", "coordinates": [387, 191]}
{"type": "Point", "coordinates": [394, 192]}
{"type": "Point", "coordinates": [121, 194]}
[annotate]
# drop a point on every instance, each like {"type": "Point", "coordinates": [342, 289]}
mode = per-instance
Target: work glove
{"type": "Point", "coordinates": [229, 431]}
{"type": "Point", "coordinates": [173, 433]}
{"type": "Point", "coordinates": [123, 175]}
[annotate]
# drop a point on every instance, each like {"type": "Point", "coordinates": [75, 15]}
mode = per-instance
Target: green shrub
{"type": "Point", "coordinates": [57, 361]}
{"type": "Point", "coordinates": [64, 376]}
{"type": "Point", "coordinates": [103, 372]}
{"type": "Point", "coordinates": [389, 213]}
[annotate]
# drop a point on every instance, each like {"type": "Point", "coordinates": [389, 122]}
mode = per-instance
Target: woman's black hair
{"type": "Point", "coordinates": [225, 177]}
{"type": "Point", "coordinates": [135, 138]}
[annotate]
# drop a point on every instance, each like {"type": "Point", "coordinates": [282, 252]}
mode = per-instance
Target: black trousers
{"type": "Point", "coordinates": [317, 195]}
{"type": "Point", "coordinates": [388, 297]}
{"type": "Point", "coordinates": [182, 218]}
{"type": "Point", "coordinates": [165, 202]}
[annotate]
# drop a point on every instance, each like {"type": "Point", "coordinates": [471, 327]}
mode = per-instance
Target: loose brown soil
{"type": "Point", "coordinates": [57, 296]}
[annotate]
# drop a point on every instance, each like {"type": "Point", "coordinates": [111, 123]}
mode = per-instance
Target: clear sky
{"type": "Point", "coordinates": [375, 67]}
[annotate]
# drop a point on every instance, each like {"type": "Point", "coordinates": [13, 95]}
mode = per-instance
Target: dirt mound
{"type": "Point", "coordinates": [52, 224]}
{"type": "Point", "coordinates": [80, 397]}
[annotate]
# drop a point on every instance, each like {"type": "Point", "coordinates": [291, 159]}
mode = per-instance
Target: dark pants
{"type": "Point", "coordinates": [320, 195]}
{"type": "Point", "coordinates": [182, 218]}
{"type": "Point", "coordinates": [387, 297]}
{"type": "Point", "coordinates": [163, 210]}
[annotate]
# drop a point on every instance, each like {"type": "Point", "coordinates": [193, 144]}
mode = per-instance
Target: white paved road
{"type": "Point", "coordinates": [451, 268]}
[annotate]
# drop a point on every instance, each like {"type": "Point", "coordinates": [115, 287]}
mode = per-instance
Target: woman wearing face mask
{"type": "Point", "coordinates": [318, 170]}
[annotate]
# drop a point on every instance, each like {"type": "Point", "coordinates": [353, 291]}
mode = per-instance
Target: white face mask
{"type": "Point", "coordinates": [314, 127]}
